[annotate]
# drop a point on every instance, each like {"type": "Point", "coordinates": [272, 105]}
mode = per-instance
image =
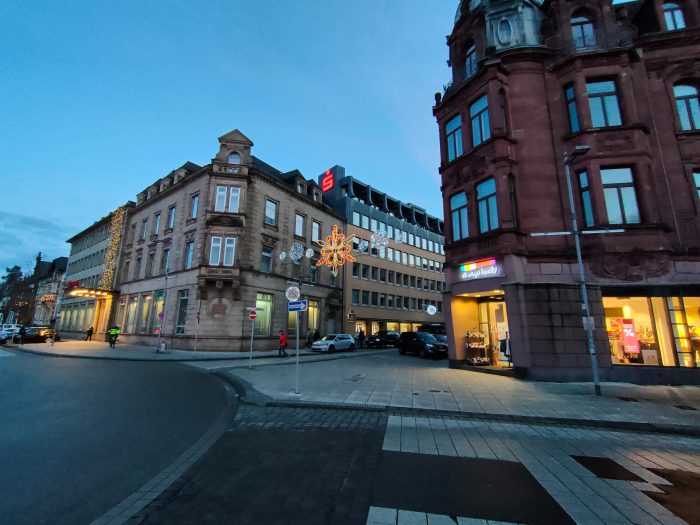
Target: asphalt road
{"type": "Point", "coordinates": [78, 436]}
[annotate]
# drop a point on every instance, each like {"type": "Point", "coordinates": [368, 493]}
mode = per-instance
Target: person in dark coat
{"type": "Point", "coordinates": [361, 338]}
{"type": "Point", "coordinates": [22, 332]}
{"type": "Point", "coordinates": [317, 336]}
{"type": "Point", "coordinates": [88, 333]}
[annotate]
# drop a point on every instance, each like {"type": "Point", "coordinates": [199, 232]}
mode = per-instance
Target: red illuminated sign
{"type": "Point", "coordinates": [328, 181]}
{"type": "Point", "coordinates": [72, 284]}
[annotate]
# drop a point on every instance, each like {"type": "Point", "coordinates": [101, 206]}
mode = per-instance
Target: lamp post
{"type": "Point", "coordinates": [162, 314]}
{"type": "Point", "coordinates": [588, 320]}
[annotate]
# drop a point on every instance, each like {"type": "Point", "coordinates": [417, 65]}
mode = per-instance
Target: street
{"type": "Point", "coordinates": [78, 436]}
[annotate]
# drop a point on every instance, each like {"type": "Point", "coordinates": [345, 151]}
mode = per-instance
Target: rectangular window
{"type": "Point", "coordinates": [220, 204]}
{"type": "Point", "coordinates": [390, 254]}
{"type": "Point", "coordinates": [571, 108]}
{"type": "Point", "coordinates": [182, 298]}
{"type": "Point", "coordinates": [298, 225]}
{"type": "Point", "coordinates": [487, 205]}
{"type": "Point", "coordinates": [356, 269]}
{"type": "Point", "coordinates": [229, 251]}
{"type": "Point", "coordinates": [453, 137]}
{"type": "Point", "coordinates": [144, 228]}
{"type": "Point", "coordinates": [171, 217]}
{"type": "Point", "coordinates": [156, 224]}
{"type": "Point", "coordinates": [194, 206]}
{"type": "Point", "coordinates": [356, 219]}
{"type": "Point", "coordinates": [411, 240]}
{"type": "Point", "coordinates": [390, 301]}
{"type": "Point", "coordinates": [620, 197]}
{"type": "Point", "coordinates": [375, 272]}
{"type": "Point", "coordinates": [263, 307]}
{"type": "Point", "coordinates": [397, 256]}
{"type": "Point", "coordinates": [696, 181]}
{"type": "Point", "coordinates": [481, 126]}
{"type": "Point", "coordinates": [215, 251]}
{"type": "Point", "coordinates": [404, 259]}
{"type": "Point", "coordinates": [424, 243]}
{"type": "Point", "coordinates": [189, 255]}
{"type": "Point", "coordinates": [355, 296]}
{"type": "Point", "coordinates": [266, 259]}
{"type": "Point", "coordinates": [270, 212]}
{"type": "Point", "coordinates": [471, 62]}
{"type": "Point", "coordinates": [411, 260]}
{"type": "Point", "coordinates": [365, 271]}
{"type": "Point", "coordinates": [375, 298]}
{"type": "Point", "coordinates": [373, 224]}
{"type": "Point", "coordinates": [165, 261]}
{"type": "Point", "coordinates": [234, 199]}
{"type": "Point", "coordinates": [602, 100]}
{"type": "Point", "coordinates": [137, 269]}
{"type": "Point", "coordinates": [315, 231]}
{"type": "Point", "coordinates": [382, 275]}
{"type": "Point", "coordinates": [144, 312]}
{"type": "Point", "coordinates": [391, 277]}
{"type": "Point", "coordinates": [365, 297]}
{"type": "Point", "coordinates": [149, 264]}
{"type": "Point", "coordinates": [365, 222]}
{"type": "Point", "coordinates": [585, 198]}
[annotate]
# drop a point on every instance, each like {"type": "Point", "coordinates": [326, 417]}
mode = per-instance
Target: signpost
{"type": "Point", "coordinates": [252, 315]}
{"type": "Point", "coordinates": [297, 306]}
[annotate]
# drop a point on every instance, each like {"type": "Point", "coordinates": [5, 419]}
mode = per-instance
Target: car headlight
{"type": "Point", "coordinates": [429, 346]}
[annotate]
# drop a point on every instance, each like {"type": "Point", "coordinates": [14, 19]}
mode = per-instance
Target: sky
{"type": "Point", "coordinates": [99, 99]}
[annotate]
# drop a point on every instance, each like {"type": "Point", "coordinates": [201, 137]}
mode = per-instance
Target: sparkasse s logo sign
{"type": "Point", "coordinates": [328, 181]}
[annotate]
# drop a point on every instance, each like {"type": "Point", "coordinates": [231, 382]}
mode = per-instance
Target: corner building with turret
{"type": "Point", "coordinates": [609, 90]}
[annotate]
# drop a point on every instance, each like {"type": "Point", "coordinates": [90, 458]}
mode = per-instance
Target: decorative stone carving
{"type": "Point", "coordinates": [633, 266]}
{"type": "Point", "coordinates": [234, 221]}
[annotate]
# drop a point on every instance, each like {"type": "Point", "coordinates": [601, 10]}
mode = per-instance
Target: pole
{"type": "Point", "coordinates": [59, 296]}
{"type": "Point", "coordinates": [582, 279]}
{"type": "Point", "coordinates": [297, 323]}
{"type": "Point", "coordinates": [252, 333]}
{"type": "Point", "coordinates": [160, 328]}
{"type": "Point", "coordinates": [196, 330]}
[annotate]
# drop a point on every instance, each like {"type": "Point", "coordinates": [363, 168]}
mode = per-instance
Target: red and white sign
{"type": "Point", "coordinates": [252, 315]}
{"type": "Point", "coordinates": [629, 337]}
{"type": "Point", "coordinates": [328, 181]}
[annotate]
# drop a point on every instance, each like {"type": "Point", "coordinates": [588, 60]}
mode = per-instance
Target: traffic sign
{"type": "Point", "coordinates": [252, 315]}
{"type": "Point", "coordinates": [297, 306]}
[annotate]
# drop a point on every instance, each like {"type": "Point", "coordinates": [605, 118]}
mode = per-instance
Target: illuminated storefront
{"type": "Point", "coordinates": [653, 331]}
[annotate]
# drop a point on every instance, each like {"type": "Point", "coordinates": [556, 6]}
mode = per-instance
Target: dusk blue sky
{"type": "Point", "coordinates": [99, 99]}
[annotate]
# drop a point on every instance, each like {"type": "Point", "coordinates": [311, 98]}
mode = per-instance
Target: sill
{"type": "Point", "coordinates": [141, 241]}
{"type": "Point", "coordinates": [190, 221]}
{"type": "Point", "coordinates": [272, 227]}
{"type": "Point", "coordinates": [688, 133]}
{"type": "Point", "coordinates": [300, 237]}
{"type": "Point", "coordinates": [168, 231]}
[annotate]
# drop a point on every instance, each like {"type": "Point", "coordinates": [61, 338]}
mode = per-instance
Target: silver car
{"type": "Point", "coordinates": [333, 342]}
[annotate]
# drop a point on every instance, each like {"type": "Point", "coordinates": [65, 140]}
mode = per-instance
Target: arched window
{"type": "Point", "coordinates": [471, 62]}
{"type": "Point", "coordinates": [673, 15]}
{"type": "Point", "coordinates": [458, 207]}
{"type": "Point", "coordinates": [583, 32]}
{"type": "Point", "coordinates": [234, 158]}
{"type": "Point", "coordinates": [688, 106]}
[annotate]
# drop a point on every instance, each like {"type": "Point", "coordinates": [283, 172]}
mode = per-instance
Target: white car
{"type": "Point", "coordinates": [8, 331]}
{"type": "Point", "coordinates": [333, 342]}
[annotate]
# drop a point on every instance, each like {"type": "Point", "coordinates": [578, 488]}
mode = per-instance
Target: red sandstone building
{"type": "Point", "coordinates": [532, 80]}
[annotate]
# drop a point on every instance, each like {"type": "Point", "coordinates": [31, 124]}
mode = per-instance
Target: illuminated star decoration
{"type": "Point", "coordinates": [335, 250]}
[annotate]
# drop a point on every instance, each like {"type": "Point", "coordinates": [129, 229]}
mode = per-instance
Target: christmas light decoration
{"type": "Point", "coordinates": [431, 310]}
{"type": "Point", "coordinates": [380, 240]}
{"type": "Point", "coordinates": [293, 293]}
{"type": "Point", "coordinates": [283, 256]}
{"type": "Point", "coordinates": [363, 246]}
{"type": "Point", "coordinates": [309, 253]}
{"type": "Point", "coordinates": [296, 251]}
{"type": "Point", "coordinates": [335, 250]}
{"type": "Point", "coordinates": [116, 226]}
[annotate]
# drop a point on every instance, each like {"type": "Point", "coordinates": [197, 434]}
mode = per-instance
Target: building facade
{"type": "Point", "coordinates": [203, 248]}
{"type": "Point", "coordinates": [90, 283]}
{"type": "Point", "coordinates": [387, 288]}
{"type": "Point", "coordinates": [48, 276]}
{"type": "Point", "coordinates": [532, 83]}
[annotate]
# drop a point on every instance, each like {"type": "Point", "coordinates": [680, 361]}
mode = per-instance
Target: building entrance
{"type": "Point", "coordinates": [493, 323]}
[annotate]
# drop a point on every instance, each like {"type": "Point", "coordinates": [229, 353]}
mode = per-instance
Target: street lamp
{"type": "Point", "coordinates": [162, 314]}
{"type": "Point", "coordinates": [588, 320]}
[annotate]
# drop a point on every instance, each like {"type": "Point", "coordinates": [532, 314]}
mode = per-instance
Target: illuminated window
{"type": "Point", "coordinates": [182, 299]}
{"type": "Point", "coordinates": [487, 205]}
{"type": "Point", "coordinates": [620, 197]}
{"type": "Point", "coordinates": [602, 100]}
{"type": "Point", "coordinates": [673, 17]}
{"type": "Point", "coordinates": [481, 126]}
{"type": "Point", "coordinates": [571, 108]}
{"type": "Point", "coordinates": [688, 106]}
{"type": "Point", "coordinates": [453, 137]}
{"type": "Point", "coordinates": [471, 62]}
{"type": "Point", "coordinates": [270, 212]}
{"type": "Point", "coordinates": [263, 307]}
{"type": "Point", "coordinates": [585, 198]}
{"type": "Point", "coordinates": [583, 32]}
{"type": "Point", "coordinates": [460, 226]}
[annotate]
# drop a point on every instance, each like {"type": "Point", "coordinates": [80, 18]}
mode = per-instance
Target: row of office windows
{"type": "Point", "coordinates": [140, 313]}
{"type": "Point", "coordinates": [300, 221]}
{"type": "Point", "coordinates": [603, 104]}
{"type": "Point", "coordinates": [169, 222]}
{"type": "Point", "coordinates": [390, 301]}
{"type": "Point", "coordinates": [382, 275]}
{"type": "Point", "coordinates": [398, 256]}
{"type": "Point", "coordinates": [84, 263]}
{"type": "Point", "coordinates": [363, 221]}
{"type": "Point", "coordinates": [90, 239]}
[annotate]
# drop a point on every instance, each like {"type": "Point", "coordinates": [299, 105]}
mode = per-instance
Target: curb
{"type": "Point", "coordinates": [677, 430]}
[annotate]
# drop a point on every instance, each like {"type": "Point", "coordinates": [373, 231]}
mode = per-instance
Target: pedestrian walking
{"type": "Point", "coordinates": [309, 338]}
{"type": "Point", "coordinates": [88, 333]}
{"type": "Point", "coordinates": [22, 332]}
{"type": "Point", "coordinates": [317, 336]}
{"type": "Point", "coordinates": [113, 334]}
{"type": "Point", "coordinates": [282, 350]}
{"type": "Point", "coordinates": [361, 338]}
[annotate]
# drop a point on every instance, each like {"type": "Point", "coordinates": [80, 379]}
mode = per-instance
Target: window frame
{"type": "Point", "coordinates": [581, 23]}
{"type": "Point", "coordinates": [171, 217]}
{"type": "Point", "coordinates": [572, 108]}
{"type": "Point", "coordinates": [606, 100]}
{"type": "Point", "coordinates": [229, 252]}
{"type": "Point", "coordinates": [618, 187]}
{"type": "Point", "coordinates": [480, 120]}
{"type": "Point", "coordinates": [586, 200]}
{"type": "Point", "coordinates": [265, 253]}
{"type": "Point", "coordinates": [188, 259]}
{"type": "Point", "coordinates": [675, 11]}
{"type": "Point", "coordinates": [299, 231]}
{"type": "Point", "coordinates": [194, 205]}
{"type": "Point", "coordinates": [471, 62]}
{"type": "Point", "coordinates": [267, 220]}
{"type": "Point", "coordinates": [487, 203]}
{"type": "Point", "coordinates": [459, 216]}
{"type": "Point", "coordinates": [454, 138]}
{"type": "Point", "coordinates": [219, 244]}
{"type": "Point", "coordinates": [687, 108]}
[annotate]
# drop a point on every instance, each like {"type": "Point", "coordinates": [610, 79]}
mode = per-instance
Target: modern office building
{"type": "Point", "coordinates": [203, 247]}
{"type": "Point", "coordinates": [391, 287]}
{"type": "Point", "coordinates": [90, 281]}
{"type": "Point", "coordinates": [609, 89]}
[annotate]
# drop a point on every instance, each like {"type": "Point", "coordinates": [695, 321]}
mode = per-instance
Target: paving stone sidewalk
{"type": "Point", "coordinates": [404, 382]}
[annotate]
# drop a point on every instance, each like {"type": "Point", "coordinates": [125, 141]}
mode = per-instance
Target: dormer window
{"type": "Point", "coordinates": [583, 32]}
{"type": "Point", "coordinates": [673, 15]}
{"type": "Point", "coordinates": [471, 62]}
{"type": "Point", "coordinates": [234, 158]}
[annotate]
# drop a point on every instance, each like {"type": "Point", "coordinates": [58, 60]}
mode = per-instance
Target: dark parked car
{"type": "Point", "coordinates": [421, 343]}
{"type": "Point", "coordinates": [38, 334]}
{"type": "Point", "coordinates": [382, 339]}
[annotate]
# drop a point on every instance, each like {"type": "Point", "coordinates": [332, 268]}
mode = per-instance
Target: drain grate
{"type": "Point", "coordinates": [685, 407]}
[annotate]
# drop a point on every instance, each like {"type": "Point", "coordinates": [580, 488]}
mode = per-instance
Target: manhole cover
{"type": "Point", "coordinates": [685, 407]}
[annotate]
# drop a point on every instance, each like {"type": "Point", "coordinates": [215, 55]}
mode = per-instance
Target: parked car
{"type": "Point", "coordinates": [382, 339]}
{"type": "Point", "coordinates": [333, 342]}
{"type": "Point", "coordinates": [38, 334]}
{"type": "Point", "coordinates": [8, 331]}
{"type": "Point", "coordinates": [421, 343]}
{"type": "Point", "coordinates": [433, 328]}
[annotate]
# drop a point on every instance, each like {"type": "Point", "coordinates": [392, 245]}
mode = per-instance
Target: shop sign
{"type": "Point", "coordinates": [48, 298]}
{"type": "Point", "coordinates": [629, 337]}
{"type": "Point", "coordinates": [483, 269]}
{"type": "Point", "coordinates": [72, 284]}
